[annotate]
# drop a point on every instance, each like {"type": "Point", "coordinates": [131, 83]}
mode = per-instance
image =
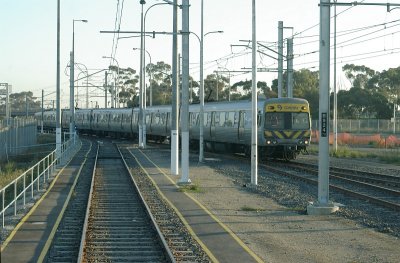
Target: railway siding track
{"type": "Point", "coordinates": [352, 183]}
{"type": "Point", "coordinates": [119, 227]}
{"type": "Point", "coordinates": [368, 177]}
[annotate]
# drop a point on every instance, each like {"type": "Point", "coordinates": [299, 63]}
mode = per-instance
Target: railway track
{"type": "Point", "coordinates": [119, 226]}
{"type": "Point", "coordinates": [106, 219]}
{"type": "Point", "coordinates": [375, 188]}
{"type": "Point", "coordinates": [182, 244]}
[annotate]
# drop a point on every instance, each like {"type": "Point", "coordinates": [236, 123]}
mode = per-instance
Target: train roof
{"type": "Point", "coordinates": [286, 100]}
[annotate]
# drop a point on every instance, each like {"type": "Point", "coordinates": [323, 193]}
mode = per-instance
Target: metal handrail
{"type": "Point", "coordinates": [44, 168]}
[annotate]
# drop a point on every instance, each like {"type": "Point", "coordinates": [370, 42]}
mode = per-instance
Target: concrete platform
{"type": "Point", "coordinates": [27, 241]}
{"type": "Point", "coordinates": [221, 244]}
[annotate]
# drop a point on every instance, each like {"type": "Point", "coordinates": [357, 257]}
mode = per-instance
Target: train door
{"type": "Point", "coordinates": [212, 125]}
{"type": "Point", "coordinates": [241, 125]}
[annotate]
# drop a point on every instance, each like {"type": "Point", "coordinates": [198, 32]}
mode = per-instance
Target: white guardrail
{"type": "Point", "coordinates": [33, 179]}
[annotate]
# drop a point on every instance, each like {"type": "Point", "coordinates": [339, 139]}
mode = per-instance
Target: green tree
{"type": "Point", "coordinates": [359, 76]}
{"type": "Point", "coordinates": [305, 85]}
{"type": "Point", "coordinates": [214, 84]}
{"type": "Point", "coordinates": [161, 82]}
{"type": "Point", "coordinates": [127, 82]}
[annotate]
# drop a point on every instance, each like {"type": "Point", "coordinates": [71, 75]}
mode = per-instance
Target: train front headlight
{"type": "Point", "coordinates": [268, 142]}
{"type": "Point", "coordinates": [306, 142]}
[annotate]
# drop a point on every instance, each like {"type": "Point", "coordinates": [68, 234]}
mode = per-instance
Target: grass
{"type": "Point", "coordinates": [191, 188]}
{"type": "Point", "coordinates": [18, 164]}
{"type": "Point", "coordinates": [8, 173]}
{"type": "Point", "coordinates": [390, 157]}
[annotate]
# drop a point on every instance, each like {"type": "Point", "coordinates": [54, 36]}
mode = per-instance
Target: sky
{"type": "Point", "coordinates": [366, 35]}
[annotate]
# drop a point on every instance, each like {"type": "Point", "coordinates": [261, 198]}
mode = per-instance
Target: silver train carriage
{"type": "Point", "coordinates": [283, 125]}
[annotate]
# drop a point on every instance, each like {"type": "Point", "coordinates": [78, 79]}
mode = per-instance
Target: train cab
{"type": "Point", "coordinates": [287, 124]}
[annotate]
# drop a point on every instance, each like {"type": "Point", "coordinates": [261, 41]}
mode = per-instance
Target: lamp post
{"type": "Point", "coordinates": [201, 41]}
{"type": "Point", "coordinates": [72, 86]}
{"type": "Point", "coordinates": [113, 94]}
{"type": "Point", "coordinates": [142, 97]}
{"type": "Point", "coordinates": [151, 91]}
{"type": "Point", "coordinates": [142, 132]}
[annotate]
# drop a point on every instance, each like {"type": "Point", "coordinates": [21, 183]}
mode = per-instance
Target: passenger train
{"type": "Point", "coordinates": [283, 125]}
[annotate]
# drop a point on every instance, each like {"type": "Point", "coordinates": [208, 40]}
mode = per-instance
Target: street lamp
{"type": "Point", "coordinates": [151, 90]}
{"type": "Point", "coordinates": [113, 93]}
{"type": "Point", "coordinates": [142, 89]}
{"type": "Point", "coordinates": [142, 128]}
{"type": "Point", "coordinates": [72, 68]}
{"type": "Point", "coordinates": [201, 40]}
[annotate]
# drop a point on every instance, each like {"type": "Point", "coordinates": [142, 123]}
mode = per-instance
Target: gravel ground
{"type": "Point", "coordinates": [271, 219]}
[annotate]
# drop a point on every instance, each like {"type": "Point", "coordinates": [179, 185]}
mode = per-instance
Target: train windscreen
{"type": "Point", "coordinates": [286, 121]}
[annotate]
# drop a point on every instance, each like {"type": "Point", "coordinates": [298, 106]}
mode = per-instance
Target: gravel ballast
{"type": "Point", "coordinates": [271, 219]}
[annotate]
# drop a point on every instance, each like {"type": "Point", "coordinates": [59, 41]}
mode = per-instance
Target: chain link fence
{"type": "Point", "coordinates": [16, 136]}
{"type": "Point", "coordinates": [364, 126]}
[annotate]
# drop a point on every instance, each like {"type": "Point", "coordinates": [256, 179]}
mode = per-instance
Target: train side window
{"type": "Point", "coordinates": [221, 119]}
{"type": "Point", "coordinates": [148, 118]}
{"type": "Point", "coordinates": [193, 118]}
{"type": "Point", "coordinates": [216, 119]}
{"type": "Point", "coordinates": [156, 118]}
{"type": "Point", "coordinates": [230, 118]}
{"type": "Point", "coordinates": [206, 119]}
{"type": "Point", "coordinates": [236, 117]}
{"type": "Point", "coordinates": [162, 118]}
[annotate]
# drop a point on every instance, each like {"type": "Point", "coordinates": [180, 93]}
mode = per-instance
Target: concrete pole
{"type": "Point", "coordinates": [394, 117]}
{"type": "Point", "coordinates": [254, 154]}
{"type": "Point", "coordinates": [323, 160]}
{"type": "Point", "coordinates": [87, 90]}
{"type": "Point", "coordinates": [141, 81]}
{"type": "Point", "coordinates": [8, 104]}
{"type": "Point", "coordinates": [334, 86]}
{"type": "Point", "coordinates": [201, 140]}
{"type": "Point", "coordinates": [105, 90]}
{"type": "Point", "coordinates": [290, 68]}
{"type": "Point", "coordinates": [229, 86]}
{"type": "Point", "coordinates": [58, 108]}
{"type": "Point", "coordinates": [175, 94]}
{"type": "Point", "coordinates": [26, 106]}
{"type": "Point", "coordinates": [71, 92]}
{"type": "Point", "coordinates": [41, 130]}
{"type": "Point", "coordinates": [113, 95]}
{"type": "Point", "coordinates": [323, 206]}
{"type": "Point", "coordinates": [280, 58]}
{"type": "Point", "coordinates": [217, 87]}
{"type": "Point", "coordinates": [185, 93]}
